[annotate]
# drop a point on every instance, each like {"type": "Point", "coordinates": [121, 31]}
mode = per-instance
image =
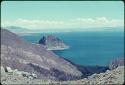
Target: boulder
{"type": "Point", "coordinates": [34, 75]}
{"type": "Point", "coordinates": [8, 69]}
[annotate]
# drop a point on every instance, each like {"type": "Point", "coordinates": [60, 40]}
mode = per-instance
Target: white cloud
{"type": "Point", "coordinates": [72, 24]}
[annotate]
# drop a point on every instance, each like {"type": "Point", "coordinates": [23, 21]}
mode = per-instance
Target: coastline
{"type": "Point", "coordinates": [58, 48]}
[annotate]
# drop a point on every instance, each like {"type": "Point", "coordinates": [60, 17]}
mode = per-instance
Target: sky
{"type": "Point", "coordinates": [62, 15]}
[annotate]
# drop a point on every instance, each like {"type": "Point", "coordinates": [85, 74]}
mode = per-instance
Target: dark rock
{"type": "Point", "coordinates": [51, 42]}
{"type": "Point", "coordinates": [89, 70]}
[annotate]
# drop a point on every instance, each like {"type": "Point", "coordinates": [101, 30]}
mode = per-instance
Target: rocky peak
{"type": "Point", "coordinates": [51, 42]}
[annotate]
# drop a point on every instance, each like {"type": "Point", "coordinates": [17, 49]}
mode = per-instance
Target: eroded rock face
{"type": "Point", "coordinates": [51, 42]}
{"type": "Point", "coordinates": [115, 63]}
{"type": "Point", "coordinates": [24, 56]}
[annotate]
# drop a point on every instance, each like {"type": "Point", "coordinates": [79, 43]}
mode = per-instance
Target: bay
{"type": "Point", "coordinates": [87, 48]}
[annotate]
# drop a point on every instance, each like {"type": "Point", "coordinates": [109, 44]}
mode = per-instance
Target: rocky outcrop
{"type": "Point", "coordinates": [115, 63]}
{"type": "Point", "coordinates": [24, 56]}
{"type": "Point", "coordinates": [17, 72]}
{"type": "Point", "coordinates": [51, 42]}
{"type": "Point", "coordinates": [19, 77]}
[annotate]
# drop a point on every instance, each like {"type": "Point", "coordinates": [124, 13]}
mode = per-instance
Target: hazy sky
{"type": "Point", "coordinates": [62, 15]}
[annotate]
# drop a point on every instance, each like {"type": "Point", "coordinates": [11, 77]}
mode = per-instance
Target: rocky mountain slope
{"type": "Point", "coordinates": [116, 62]}
{"type": "Point", "coordinates": [24, 56]}
{"type": "Point", "coordinates": [115, 76]}
{"type": "Point", "coordinates": [51, 42]}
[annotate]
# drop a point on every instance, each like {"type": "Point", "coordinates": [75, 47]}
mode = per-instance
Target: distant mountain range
{"type": "Point", "coordinates": [21, 30]}
{"type": "Point", "coordinates": [16, 29]}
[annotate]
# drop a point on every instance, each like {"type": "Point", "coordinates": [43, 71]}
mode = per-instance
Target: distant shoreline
{"type": "Point", "coordinates": [58, 48]}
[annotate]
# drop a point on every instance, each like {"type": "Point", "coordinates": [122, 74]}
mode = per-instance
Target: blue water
{"type": "Point", "coordinates": [88, 48]}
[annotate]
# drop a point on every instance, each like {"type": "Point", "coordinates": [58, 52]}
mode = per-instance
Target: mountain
{"type": "Point", "coordinates": [22, 30]}
{"type": "Point", "coordinates": [16, 29]}
{"type": "Point", "coordinates": [24, 56]}
{"type": "Point", "coordinates": [51, 42]}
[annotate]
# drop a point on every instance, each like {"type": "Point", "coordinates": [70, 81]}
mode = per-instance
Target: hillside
{"type": "Point", "coordinates": [24, 56]}
{"type": "Point", "coordinates": [115, 76]}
